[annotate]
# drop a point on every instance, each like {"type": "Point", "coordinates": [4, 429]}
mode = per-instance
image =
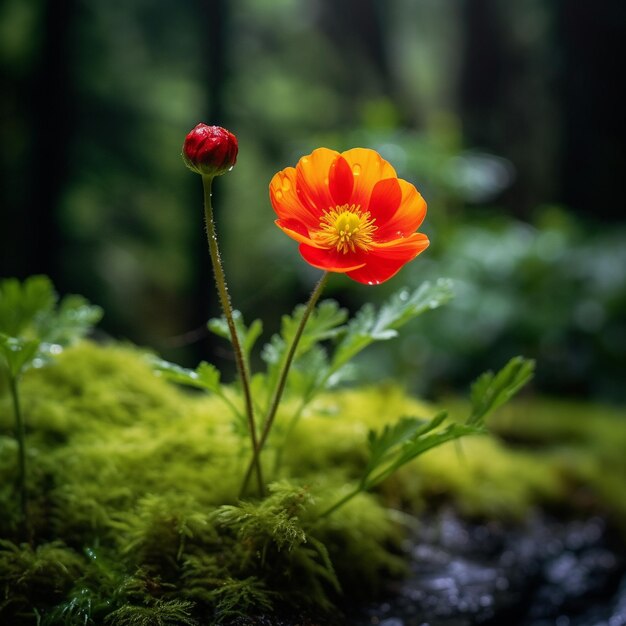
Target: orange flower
{"type": "Point", "coordinates": [351, 213]}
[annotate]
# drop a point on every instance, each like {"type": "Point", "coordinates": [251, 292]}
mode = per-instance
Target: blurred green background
{"type": "Point", "coordinates": [504, 114]}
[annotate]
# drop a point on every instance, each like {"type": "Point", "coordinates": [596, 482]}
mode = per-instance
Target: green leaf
{"type": "Point", "coordinates": [411, 441]}
{"type": "Point", "coordinates": [324, 323]}
{"type": "Point", "coordinates": [491, 391]}
{"type": "Point", "coordinates": [22, 303]}
{"type": "Point", "coordinates": [247, 336]}
{"type": "Point", "coordinates": [74, 318]}
{"type": "Point", "coordinates": [309, 373]}
{"type": "Point", "coordinates": [205, 376]}
{"type": "Point", "coordinates": [383, 446]}
{"type": "Point", "coordinates": [17, 353]}
{"type": "Point", "coordinates": [423, 442]}
{"type": "Point", "coordinates": [369, 326]}
{"type": "Point", "coordinates": [33, 329]}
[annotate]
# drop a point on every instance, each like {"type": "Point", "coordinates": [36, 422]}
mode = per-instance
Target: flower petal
{"type": "Point", "coordinates": [285, 200]}
{"type": "Point", "coordinates": [409, 216]}
{"type": "Point", "coordinates": [405, 248]}
{"type": "Point", "coordinates": [384, 201]}
{"type": "Point", "coordinates": [387, 260]}
{"type": "Point", "coordinates": [296, 230]}
{"type": "Point", "coordinates": [368, 167]}
{"type": "Point", "coordinates": [331, 260]}
{"type": "Point", "coordinates": [340, 181]}
{"type": "Point", "coordinates": [312, 172]}
{"type": "Point", "coordinates": [376, 273]}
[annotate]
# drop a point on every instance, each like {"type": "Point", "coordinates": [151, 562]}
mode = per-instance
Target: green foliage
{"type": "Point", "coordinates": [409, 438]}
{"type": "Point", "coordinates": [205, 376]}
{"type": "Point", "coordinates": [325, 322]}
{"type": "Point", "coordinates": [315, 370]}
{"type": "Point", "coordinates": [273, 522]}
{"type": "Point", "coordinates": [160, 613]}
{"type": "Point", "coordinates": [552, 289]}
{"type": "Point", "coordinates": [247, 335]}
{"type": "Point", "coordinates": [369, 325]}
{"type": "Point", "coordinates": [491, 391]}
{"type": "Point", "coordinates": [320, 372]}
{"type": "Point", "coordinates": [275, 538]}
{"type": "Point", "coordinates": [33, 326]}
{"type": "Point", "coordinates": [23, 304]}
{"type": "Point", "coordinates": [312, 370]}
{"type": "Point", "coordinates": [31, 576]}
{"type": "Point", "coordinates": [385, 445]}
{"type": "Point", "coordinates": [139, 479]}
{"type": "Point", "coordinates": [236, 597]}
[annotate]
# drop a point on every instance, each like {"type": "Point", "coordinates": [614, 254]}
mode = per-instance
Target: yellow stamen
{"type": "Point", "coordinates": [345, 228]}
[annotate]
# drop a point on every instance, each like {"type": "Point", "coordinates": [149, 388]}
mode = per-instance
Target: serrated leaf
{"type": "Point", "coordinates": [423, 442]}
{"type": "Point", "coordinates": [324, 323]}
{"type": "Point", "coordinates": [17, 353]}
{"type": "Point", "coordinates": [205, 376]}
{"type": "Point", "coordinates": [74, 318]}
{"type": "Point", "coordinates": [247, 336]}
{"type": "Point", "coordinates": [22, 302]}
{"type": "Point", "coordinates": [369, 326]}
{"type": "Point", "coordinates": [404, 306]}
{"type": "Point", "coordinates": [33, 329]}
{"type": "Point", "coordinates": [308, 373]}
{"type": "Point", "coordinates": [415, 444]}
{"type": "Point", "coordinates": [491, 391]}
{"type": "Point", "coordinates": [393, 439]}
{"type": "Point", "coordinates": [382, 443]}
{"type": "Point", "coordinates": [208, 376]}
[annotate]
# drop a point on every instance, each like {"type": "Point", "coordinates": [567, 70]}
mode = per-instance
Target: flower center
{"type": "Point", "coordinates": [345, 228]}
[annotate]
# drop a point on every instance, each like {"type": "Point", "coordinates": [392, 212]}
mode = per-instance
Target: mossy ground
{"type": "Point", "coordinates": [133, 488]}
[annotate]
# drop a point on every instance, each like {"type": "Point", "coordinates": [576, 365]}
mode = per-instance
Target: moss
{"type": "Point", "coordinates": [30, 576]}
{"type": "Point", "coordinates": [133, 494]}
{"type": "Point", "coordinates": [584, 444]}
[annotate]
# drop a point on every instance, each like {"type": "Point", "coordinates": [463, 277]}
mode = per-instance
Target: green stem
{"type": "Point", "coordinates": [282, 379]}
{"type": "Point", "coordinates": [343, 500]}
{"type": "Point", "coordinates": [222, 290]}
{"type": "Point", "coordinates": [21, 447]}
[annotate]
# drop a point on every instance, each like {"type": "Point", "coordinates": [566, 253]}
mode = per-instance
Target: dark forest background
{"type": "Point", "coordinates": [505, 114]}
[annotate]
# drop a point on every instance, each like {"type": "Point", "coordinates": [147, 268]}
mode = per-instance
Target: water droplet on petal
{"type": "Point", "coordinates": [286, 184]}
{"type": "Point", "coordinates": [278, 194]}
{"type": "Point", "coordinates": [356, 169]}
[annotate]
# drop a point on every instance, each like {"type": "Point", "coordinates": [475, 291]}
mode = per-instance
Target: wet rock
{"type": "Point", "coordinates": [546, 573]}
{"type": "Point", "coordinates": [542, 573]}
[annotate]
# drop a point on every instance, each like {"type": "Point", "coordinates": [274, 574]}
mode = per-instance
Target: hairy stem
{"type": "Point", "coordinates": [282, 378]}
{"type": "Point", "coordinates": [222, 290]}
{"type": "Point", "coordinates": [21, 451]}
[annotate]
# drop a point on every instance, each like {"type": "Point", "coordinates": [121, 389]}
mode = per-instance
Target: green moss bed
{"type": "Point", "coordinates": [133, 487]}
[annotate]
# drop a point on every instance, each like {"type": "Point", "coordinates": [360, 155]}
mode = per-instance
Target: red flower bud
{"type": "Point", "coordinates": [210, 150]}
